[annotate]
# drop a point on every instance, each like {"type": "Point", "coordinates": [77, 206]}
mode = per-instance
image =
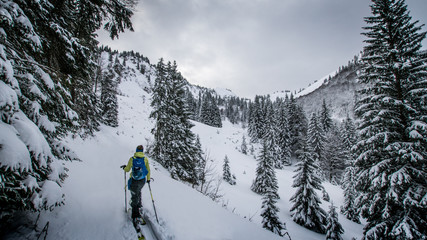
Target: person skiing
{"type": "Point", "coordinates": [139, 175]}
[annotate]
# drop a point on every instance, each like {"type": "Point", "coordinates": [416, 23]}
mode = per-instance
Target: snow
{"type": "Point", "coordinates": [8, 97]}
{"type": "Point", "coordinates": [223, 92]}
{"type": "Point", "coordinates": [44, 122]}
{"type": "Point", "coordinates": [95, 190]}
{"type": "Point", "coordinates": [13, 152]}
{"type": "Point", "coordinates": [311, 88]}
{"type": "Point", "coordinates": [35, 90]}
{"type": "Point", "coordinates": [7, 69]}
{"type": "Point", "coordinates": [31, 183]}
{"type": "Point", "coordinates": [316, 85]}
{"type": "Point", "coordinates": [45, 77]}
{"type": "Point", "coordinates": [50, 194]}
{"type": "Point", "coordinates": [32, 137]}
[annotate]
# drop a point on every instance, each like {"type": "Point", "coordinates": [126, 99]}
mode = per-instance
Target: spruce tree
{"type": "Point", "coordinates": [391, 153]}
{"type": "Point", "coordinates": [209, 112]}
{"type": "Point", "coordinates": [244, 146]}
{"type": "Point", "coordinates": [334, 229]}
{"type": "Point", "coordinates": [335, 155]}
{"type": "Point", "coordinates": [270, 220]}
{"type": "Point", "coordinates": [160, 114]}
{"type": "Point", "coordinates": [201, 163]}
{"type": "Point", "coordinates": [252, 130]}
{"type": "Point", "coordinates": [174, 143]}
{"type": "Point", "coordinates": [349, 135]}
{"type": "Point", "coordinates": [316, 138]}
{"type": "Point", "coordinates": [192, 105]}
{"type": "Point", "coordinates": [265, 174]}
{"type": "Point", "coordinates": [349, 209]}
{"type": "Point", "coordinates": [271, 134]}
{"type": "Point", "coordinates": [109, 104]}
{"type": "Point", "coordinates": [226, 174]}
{"type": "Point", "coordinates": [348, 182]}
{"type": "Point", "coordinates": [257, 119]}
{"type": "Point", "coordinates": [325, 117]}
{"type": "Point", "coordinates": [283, 135]}
{"type": "Point", "coordinates": [297, 124]}
{"type": "Point", "coordinates": [316, 142]}
{"type": "Point", "coordinates": [306, 210]}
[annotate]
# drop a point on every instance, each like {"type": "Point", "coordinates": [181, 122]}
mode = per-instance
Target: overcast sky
{"type": "Point", "coordinates": [252, 46]}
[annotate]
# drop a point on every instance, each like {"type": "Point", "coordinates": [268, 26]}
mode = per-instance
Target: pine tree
{"type": "Point", "coordinates": [232, 109]}
{"type": "Point", "coordinates": [192, 105]}
{"type": "Point", "coordinates": [349, 209]}
{"type": "Point", "coordinates": [265, 174]}
{"type": "Point", "coordinates": [316, 142]}
{"type": "Point", "coordinates": [325, 195]}
{"type": "Point", "coordinates": [283, 135]}
{"type": "Point", "coordinates": [201, 163]}
{"type": "Point", "coordinates": [244, 116]}
{"type": "Point", "coordinates": [325, 117]}
{"type": "Point", "coordinates": [333, 227]}
{"type": "Point", "coordinates": [316, 138]}
{"type": "Point", "coordinates": [244, 146]}
{"type": "Point", "coordinates": [209, 112]}
{"type": "Point", "coordinates": [226, 174]}
{"type": "Point", "coordinates": [271, 134]}
{"type": "Point", "coordinates": [335, 155]}
{"type": "Point", "coordinates": [349, 135]}
{"type": "Point", "coordinates": [270, 220]}
{"type": "Point", "coordinates": [109, 104]}
{"type": "Point", "coordinates": [391, 153]}
{"type": "Point", "coordinates": [257, 118]}
{"type": "Point", "coordinates": [297, 125]}
{"type": "Point", "coordinates": [174, 143]}
{"type": "Point", "coordinates": [306, 210]}
{"type": "Point", "coordinates": [348, 182]}
{"type": "Point", "coordinates": [160, 114]}
{"type": "Point", "coordinates": [252, 150]}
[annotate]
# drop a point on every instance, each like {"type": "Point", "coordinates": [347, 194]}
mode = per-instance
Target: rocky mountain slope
{"type": "Point", "coordinates": [339, 93]}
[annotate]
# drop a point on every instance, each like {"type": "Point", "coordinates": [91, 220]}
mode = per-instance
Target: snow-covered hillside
{"type": "Point", "coordinates": [337, 88]}
{"type": "Point", "coordinates": [339, 93]}
{"type": "Point", "coordinates": [95, 197]}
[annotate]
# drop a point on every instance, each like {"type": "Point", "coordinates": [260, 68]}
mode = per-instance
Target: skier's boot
{"type": "Point", "coordinates": [137, 221]}
{"type": "Point", "coordinates": [142, 219]}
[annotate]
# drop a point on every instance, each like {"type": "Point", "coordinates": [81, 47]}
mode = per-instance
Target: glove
{"type": "Point", "coordinates": [122, 166]}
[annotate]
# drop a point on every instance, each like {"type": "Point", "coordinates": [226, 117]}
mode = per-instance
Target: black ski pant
{"type": "Point", "coordinates": [135, 190]}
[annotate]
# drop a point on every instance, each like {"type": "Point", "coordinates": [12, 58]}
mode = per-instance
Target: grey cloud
{"type": "Point", "coordinates": [252, 47]}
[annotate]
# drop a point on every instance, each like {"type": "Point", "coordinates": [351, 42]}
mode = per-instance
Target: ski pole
{"type": "Point", "coordinates": [126, 201]}
{"type": "Point", "coordinates": [154, 206]}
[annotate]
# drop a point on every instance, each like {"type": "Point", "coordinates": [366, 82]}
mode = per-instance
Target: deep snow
{"type": "Point", "coordinates": [95, 198]}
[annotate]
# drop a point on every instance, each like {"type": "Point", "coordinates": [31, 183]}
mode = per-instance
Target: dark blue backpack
{"type": "Point", "coordinates": [139, 170]}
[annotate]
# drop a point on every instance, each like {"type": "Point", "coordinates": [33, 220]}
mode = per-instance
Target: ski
{"type": "Point", "coordinates": [138, 224]}
{"type": "Point", "coordinates": [138, 227]}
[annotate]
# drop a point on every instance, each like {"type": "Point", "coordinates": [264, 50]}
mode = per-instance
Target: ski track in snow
{"type": "Point", "coordinates": [94, 190]}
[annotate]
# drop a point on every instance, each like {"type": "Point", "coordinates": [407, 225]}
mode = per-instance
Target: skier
{"type": "Point", "coordinates": [140, 174]}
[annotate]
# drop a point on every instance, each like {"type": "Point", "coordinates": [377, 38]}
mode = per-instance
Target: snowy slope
{"type": "Point", "coordinates": [94, 190]}
{"type": "Point", "coordinates": [312, 87]}
{"type": "Point", "coordinates": [339, 95]}
{"type": "Point", "coordinates": [224, 92]}
{"type": "Point", "coordinates": [245, 203]}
